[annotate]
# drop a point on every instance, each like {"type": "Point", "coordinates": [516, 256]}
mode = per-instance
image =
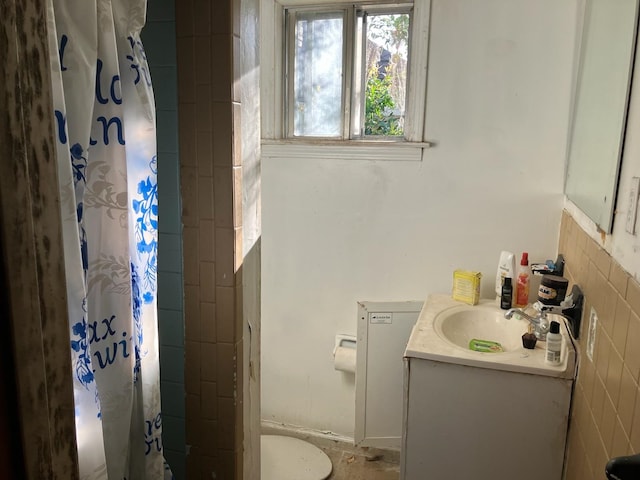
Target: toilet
{"type": "Point", "coordinates": [289, 458]}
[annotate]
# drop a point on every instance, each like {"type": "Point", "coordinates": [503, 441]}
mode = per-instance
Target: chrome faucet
{"type": "Point", "coordinates": [540, 321]}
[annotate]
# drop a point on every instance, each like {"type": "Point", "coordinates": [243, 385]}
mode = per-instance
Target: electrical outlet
{"type": "Point", "coordinates": [591, 338]}
{"type": "Point", "coordinates": [632, 210]}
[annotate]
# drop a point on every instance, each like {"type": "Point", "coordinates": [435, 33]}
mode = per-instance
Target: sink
{"type": "Point", "coordinates": [445, 327]}
{"type": "Point", "coordinates": [460, 324]}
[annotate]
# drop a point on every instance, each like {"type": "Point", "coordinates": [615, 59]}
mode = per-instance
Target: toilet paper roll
{"type": "Point", "coordinates": [345, 359]}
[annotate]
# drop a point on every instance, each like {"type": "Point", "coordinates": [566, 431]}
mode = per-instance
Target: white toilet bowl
{"type": "Point", "coordinates": [288, 458]}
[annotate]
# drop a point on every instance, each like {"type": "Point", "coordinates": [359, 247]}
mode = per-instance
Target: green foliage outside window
{"type": "Point", "coordinates": [384, 93]}
{"type": "Point", "coordinates": [379, 107]}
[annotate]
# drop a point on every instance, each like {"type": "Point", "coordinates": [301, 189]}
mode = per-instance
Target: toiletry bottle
{"type": "Point", "coordinates": [506, 298]}
{"type": "Point", "coordinates": [506, 268]}
{"type": "Point", "coordinates": [522, 281]}
{"type": "Point", "coordinates": [554, 344]}
{"type": "Point", "coordinates": [529, 339]}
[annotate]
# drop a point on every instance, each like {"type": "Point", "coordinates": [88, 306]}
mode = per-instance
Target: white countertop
{"type": "Point", "coordinates": [427, 343]}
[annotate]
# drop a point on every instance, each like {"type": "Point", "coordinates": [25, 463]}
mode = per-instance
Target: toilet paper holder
{"type": "Point", "coordinates": [345, 354]}
{"type": "Point", "coordinates": [344, 340]}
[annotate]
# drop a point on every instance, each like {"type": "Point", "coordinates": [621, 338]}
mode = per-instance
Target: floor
{"type": "Point", "coordinates": [349, 465]}
{"type": "Point", "coordinates": [349, 462]}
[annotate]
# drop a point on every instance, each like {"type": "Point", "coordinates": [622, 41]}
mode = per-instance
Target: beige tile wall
{"type": "Point", "coordinates": [605, 418]}
{"type": "Point", "coordinates": [211, 177]}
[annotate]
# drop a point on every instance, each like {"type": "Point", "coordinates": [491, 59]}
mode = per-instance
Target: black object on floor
{"type": "Point", "coordinates": [623, 468]}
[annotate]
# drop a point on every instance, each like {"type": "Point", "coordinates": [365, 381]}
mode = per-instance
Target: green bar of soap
{"type": "Point", "coordinates": [485, 346]}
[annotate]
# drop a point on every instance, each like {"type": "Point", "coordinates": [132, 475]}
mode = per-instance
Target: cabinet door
{"type": "Point", "coordinates": [383, 333]}
{"type": "Point", "coordinates": [476, 423]}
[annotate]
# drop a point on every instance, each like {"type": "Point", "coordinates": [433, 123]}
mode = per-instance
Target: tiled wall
{"type": "Point", "coordinates": [159, 40]}
{"type": "Point", "coordinates": [605, 418]}
{"type": "Point", "coordinates": [210, 171]}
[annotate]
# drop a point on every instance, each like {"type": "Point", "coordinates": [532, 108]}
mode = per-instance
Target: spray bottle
{"type": "Point", "coordinates": [522, 281]}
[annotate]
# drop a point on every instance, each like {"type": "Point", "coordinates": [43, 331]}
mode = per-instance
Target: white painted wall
{"type": "Point", "coordinates": [339, 231]}
{"type": "Point", "coordinates": [622, 246]}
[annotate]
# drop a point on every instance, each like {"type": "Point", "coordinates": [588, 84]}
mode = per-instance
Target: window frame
{"type": "Point", "coordinates": [288, 71]}
{"type": "Point", "coordinates": [359, 95]}
{"type": "Point", "coordinates": [276, 143]}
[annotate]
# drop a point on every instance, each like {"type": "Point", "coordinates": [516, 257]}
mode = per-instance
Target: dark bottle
{"type": "Point", "coordinates": [506, 297]}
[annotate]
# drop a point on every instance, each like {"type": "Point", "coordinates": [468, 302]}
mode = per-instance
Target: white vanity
{"type": "Point", "coordinates": [473, 415]}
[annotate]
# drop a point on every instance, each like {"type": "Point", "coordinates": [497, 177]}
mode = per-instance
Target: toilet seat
{"type": "Point", "coordinates": [288, 458]}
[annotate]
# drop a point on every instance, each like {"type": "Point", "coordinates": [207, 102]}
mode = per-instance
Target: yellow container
{"type": "Point", "coordinates": [466, 286]}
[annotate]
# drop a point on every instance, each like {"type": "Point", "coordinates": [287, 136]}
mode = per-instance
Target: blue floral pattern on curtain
{"type": "Point", "coordinates": [107, 171]}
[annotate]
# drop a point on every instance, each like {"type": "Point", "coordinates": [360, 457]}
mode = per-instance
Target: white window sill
{"type": "Point", "coordinates": [345, 150]}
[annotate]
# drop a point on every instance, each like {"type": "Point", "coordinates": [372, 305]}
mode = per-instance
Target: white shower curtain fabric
{"type": "Point", "coordinates": [106, 149]}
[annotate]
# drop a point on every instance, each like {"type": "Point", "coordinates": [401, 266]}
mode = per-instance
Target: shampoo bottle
{"type": "Point", "coordinates": [522, 281]}
{"type": "Point", "coordinates": [554, 344]}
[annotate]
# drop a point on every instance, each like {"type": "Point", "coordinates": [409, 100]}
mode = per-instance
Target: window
{"type": "Point", "coordinates": [346, 72]}
{"type": "Point", "coordinates": [329, 120]}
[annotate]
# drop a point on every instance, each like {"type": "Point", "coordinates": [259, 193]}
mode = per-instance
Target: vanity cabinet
{"type": "Point", "coordinates": [482, 421]}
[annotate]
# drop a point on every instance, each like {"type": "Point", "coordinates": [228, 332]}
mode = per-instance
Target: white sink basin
{"type": "Point", "coordinates": [460, 324]}
{"type": "Point", "coordinates": [445, 327]}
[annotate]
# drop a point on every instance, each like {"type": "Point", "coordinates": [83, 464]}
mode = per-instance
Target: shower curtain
{"type": "Point", "coordinates": [106, 149]}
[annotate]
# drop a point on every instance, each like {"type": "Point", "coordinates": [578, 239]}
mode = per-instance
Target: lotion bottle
{"type": "Point", "coordinates": [522, 281]}
{"type": "Point", "coordinates": [554, 345]}
{"type": "Point", "coordinates": [506, 268]}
